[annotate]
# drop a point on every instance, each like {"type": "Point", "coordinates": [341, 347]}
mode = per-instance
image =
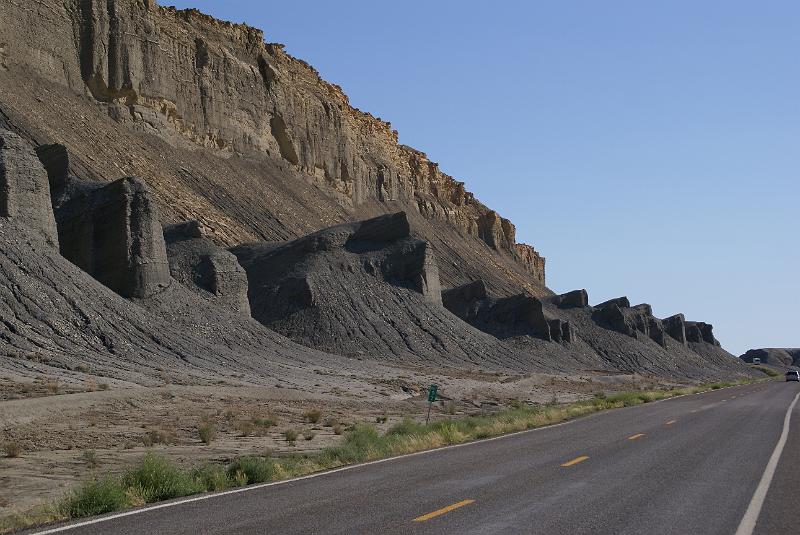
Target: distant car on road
{"type": "Point", "coordinates": [793, 375]}
{"type": "Point", "coordinates": [756, 360]}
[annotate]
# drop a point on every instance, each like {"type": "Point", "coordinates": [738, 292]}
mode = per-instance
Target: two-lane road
{"type": "Point", "coordinates": [683, 466]}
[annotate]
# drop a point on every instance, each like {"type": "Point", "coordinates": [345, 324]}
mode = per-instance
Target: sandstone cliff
{"type": "Point", "coordinates": [193, 81]}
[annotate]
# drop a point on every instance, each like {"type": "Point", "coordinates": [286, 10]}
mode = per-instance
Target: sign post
{"type": "Point", "coordinates": [432, 390]}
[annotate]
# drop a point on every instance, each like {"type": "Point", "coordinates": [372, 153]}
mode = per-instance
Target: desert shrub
{"type": "Point", "coordinates": [156, 436]}
{"type": "Point", "coordinates": [211, 477]}
{"type": "Point", "coordinates": [254, 470]}
{"type": "Point", "coordinates": [290, 435]}
{"type": "Point", "coordinates": [381, 419]}
{"type": "Point", "coordinates": [407, 426]}
{"type": "Point", "coordinates": [207, 432]}
{"type": "Point", "coordinates": [156, 478]}
{"type": "Point", "coordinates": [95, 497]}
{"type": "Point", "coordinates": [52, 386]}
{"type": "Point", "coordinates": [12, 449]}
{"type": "Point", "coordinates": [91, 459]}
{"type": "Point", "coordinates": [360, 443]}
{"type": "Point", "coordinates": [337, 429]}
{"type": "Point", "coordinates": [245, 427]}
{"type": "Point", "coordinates": [451, 434]}
{"type": "Point", "coordinates": [103, 386]}
{"type": "Point", "coordinates": [312, 416]}
{"type": "Point", "coordinates": [308, 435]}
{"type": "Point", "coordinates": [266, 421]}
{"type": "Point", "coordinates": [515, 403]}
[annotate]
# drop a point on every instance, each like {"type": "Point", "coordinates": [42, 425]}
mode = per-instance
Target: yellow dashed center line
{"type": "Point", "coordinates": [443, 510]}
{"type": "Point", "coordinates": [671, 422]}
{"type": "Point", "coordinates": [695, 410]}
{"type": "Point", "coordinates": [575, 461]}
{"type": "Point", "coordinates": [637, 435]}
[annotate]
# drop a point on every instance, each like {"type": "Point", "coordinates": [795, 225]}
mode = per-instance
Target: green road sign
{"type": "Point", "coordinates": [432, 393]}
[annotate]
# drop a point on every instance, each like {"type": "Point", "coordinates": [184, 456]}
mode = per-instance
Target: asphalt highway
{"type": "Point", "coordinates": [700, 464]}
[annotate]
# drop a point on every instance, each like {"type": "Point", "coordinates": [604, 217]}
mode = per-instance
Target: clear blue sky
{"type": "Point", "coordinates": [647, 149]}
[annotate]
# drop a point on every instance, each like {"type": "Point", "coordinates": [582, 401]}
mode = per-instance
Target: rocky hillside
{"type": "Point", "coordinates": [179, 198]}
{"type": "Point", "coordinates": [775, 356]}
{"type": "Point", "coordinates": [283, 152]}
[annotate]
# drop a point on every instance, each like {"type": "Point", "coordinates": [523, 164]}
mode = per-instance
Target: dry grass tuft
{"type": "Point", "coordinates": [312, 416]}
{"type": "Point", "coordinates": [12, 449]}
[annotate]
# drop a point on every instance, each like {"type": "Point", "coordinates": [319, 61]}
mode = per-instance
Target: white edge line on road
{"type": "Point", "coordinates": [258, 486]}
{"type": "Point", "coordinates": [748, 523]}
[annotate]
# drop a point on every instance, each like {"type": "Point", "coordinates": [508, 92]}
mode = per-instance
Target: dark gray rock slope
{"type": "Point", "coordinates": [775, 356]}
{"type": "Point", "coordinates": [367, 289]}
{"type": "Point", "coordinates": [505, 317]}
{"type": "Point", "coordinates": [57, 321]}
{"type": "Point", "coordinates": [206, 268]}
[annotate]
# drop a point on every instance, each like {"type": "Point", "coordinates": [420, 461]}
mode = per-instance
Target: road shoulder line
{"type": "Point", "coordinates": [748, 523]}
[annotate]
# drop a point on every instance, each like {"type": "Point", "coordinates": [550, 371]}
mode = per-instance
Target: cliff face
{"type": "Point", "coordinates": [195, 81]}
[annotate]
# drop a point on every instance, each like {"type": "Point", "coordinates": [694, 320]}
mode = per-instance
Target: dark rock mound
{"type": "Point", "coordinates": [621, 302]}
{"type": "Point", "coordinates": [204, 267]}
{"type": "Point", "coordinates": [504, 317]}
{"type": "Point", "coordinates": [24, 188]}
{"type": "Point", "coordinates": [775, 356]}
{"type": "Point", "coordinates": [573, 299]}
{"type": "Point", "coordinates": [366, 288]}
{"type": "Point", "coordinates": [56, 320]}
{"type": "Point", "coordinates": [698, 331]}
{"type": "Point", "coordinates": [629, 320]}
{"type": "Point", "coordinates": [112, 231]}
{"type": "Point", "coordinates": [641, 348]}
{"type": "Point", "coordinates": [675, 326]}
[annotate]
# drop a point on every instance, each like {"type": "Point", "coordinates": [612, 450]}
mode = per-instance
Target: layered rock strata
{"type": "Point", "coordinates": [366, 289]}
{"type": "Point", "coordinates": [505, 317]}
{"type": "Point", "coordinates": [618, 315]}
{"type": "Point", "coordinates": [190, 79]}
{"type": "Point", "coordinates": [112, 231]}
{"type": "Point", "coordinates": [24, 188]}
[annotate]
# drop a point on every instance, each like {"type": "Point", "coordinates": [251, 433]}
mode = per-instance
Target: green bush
{"type": "Point", "coordinates": [405, 427]}
{"type": "Point", "coordinates": [265, 422]}
{"type": "Point", "coordinates": [212, 477]}
{"type": "Point", "coordinates": [290, 435]}
{"type": "Point", "coordinates": [207, 433]}
{"type": "Point", "coordinates": [359, 443]}
{"type": "Point", "coordinates": [253, 470]}
{"type": "Point", "coordinates": [156, 479]}
{"type": "Point", "coordinates": [95, 497]}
